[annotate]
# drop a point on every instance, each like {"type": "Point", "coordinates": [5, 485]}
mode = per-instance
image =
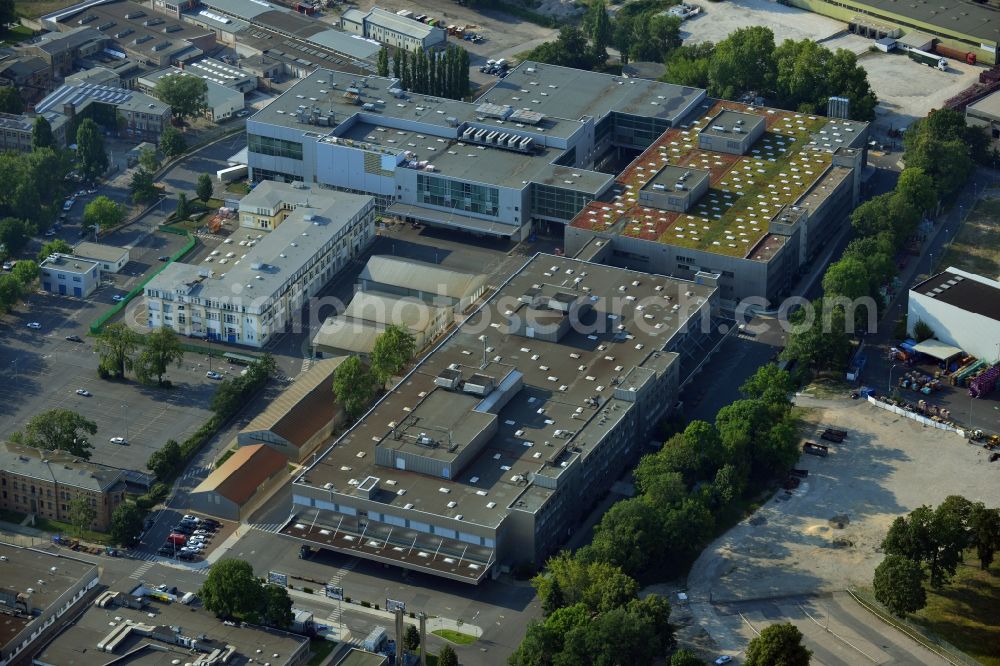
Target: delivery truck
{"type": "Point", "coordinates": [928, 59]}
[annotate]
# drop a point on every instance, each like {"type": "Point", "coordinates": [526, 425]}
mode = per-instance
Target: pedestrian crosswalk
{"type": "Point", "coordinates": [267, 527]}
{"type": "Point", "coordinates": [335, 580]}
{"type": "Point", "coordinates": [200, 471]}
{"type": "Point", "coordinates": [143, 568]}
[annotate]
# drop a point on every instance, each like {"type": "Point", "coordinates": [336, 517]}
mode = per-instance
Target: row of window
{"type": "Point", "coordinates": [470, 197]}
{"type": "Point", "coordinates": [265, 145]}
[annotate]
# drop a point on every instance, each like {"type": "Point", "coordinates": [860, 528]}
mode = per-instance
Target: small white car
{"type": "Point", "coordinates": [118, 298]}
{"type": "Point", "coordinates": [118, 440]}
{"type": "Point", "coordinates": [34, 324]}
{"type": "Point", "coordinates": [724, 659]}
{"type": "Point", "coordinates": [84, 392]}
{"type": "Point", "coordinates": [211, 374]}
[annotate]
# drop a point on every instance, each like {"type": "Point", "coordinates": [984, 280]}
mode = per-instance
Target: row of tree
{"type": "Point", "coordinates": [442, 74]}
{"type": "Point", "coordinates": [590, 599]}
{"type": "Point", "coordinates": [799, 75]}
{"type": "Point", "coordinates": [15, 284]}
{"type": "Point", "coordinates": [355, 384]}
{"type": "Point", "coordinates": [928, 545]}
{"type": "Point", "coordinates": [941, 151]}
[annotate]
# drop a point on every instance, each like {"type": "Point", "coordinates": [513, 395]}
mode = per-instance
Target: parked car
{"type": "Point", "coordinates": [211, 374]}
{"type": "Point", "coordinates": [74, 338]}
{"type": "Point", "coordinates": [118, 298]}
{"type": "Point", "coordinates": [34, 324]}
{"type": "Point", "coordinates": [84, 392]}
{"type": "Point", "coordinates": [724, 659]}
{"type": "Point", "coordinates": [182, 529]}
{"type": "Point", "coordinates": [50, 232]}
{"type": "Point", "coordinates": [118, 440]}
{"type": "Point", "coordinates": [188, 518]}
{"type": "Point", "coordinates": [186, 555]}
{"type": "Point", "coordinates": [7, 266]}
{"type": "Point", "coordinates": [166, 550]}
{"type": "Point", "coordinates": [201, 532]}
{"type": "Point", "coordinates": [163, 258]}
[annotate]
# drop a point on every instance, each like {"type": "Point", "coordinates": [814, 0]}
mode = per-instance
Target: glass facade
{"type": "Point", "coordinates": [266, 145]}
{"type": "Point", "coordinates": [447, 193]}
{"type": "Point", "coordinates": [638, 132]}
{"type": "Point", "coordinates": [557, 202]}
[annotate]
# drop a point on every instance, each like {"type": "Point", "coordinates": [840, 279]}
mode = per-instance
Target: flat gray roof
{"type": "Point", "coordinates": [56, 466]}
{"type": "Point", "coordinates": [278, 255]}
{"type": "Point", "coordinates": [400, 24]}
{"type": "Point", "coordinates": [727, 119]}
{"type": "Point", "coordinates": [24, 567]}
{"type": "Point", "coordinates": [670, 175]}
{"type": "Point", "coordinates": [99, 251]}
{"type": "Point", "coordinates": [152, 641]}
{"type": "Point", "coordinates": [963, 18]}
{"type": "Point", "coordinates": [558, 380]}
{"type": "Point", "coordinates": [988, 107]}
{"type": "Point", "coordinates": [563, 92]}
{"type": "Point", "coordinates": [218, 93]}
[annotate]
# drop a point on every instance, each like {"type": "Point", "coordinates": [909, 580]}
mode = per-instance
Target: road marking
{"type": "Point", "coordinates": [143, 568]}
{"type": "Point", "coordinates": [267, 527]}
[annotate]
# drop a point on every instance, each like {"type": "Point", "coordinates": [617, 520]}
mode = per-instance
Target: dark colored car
{"type": "Point", "coordinates": [182, 528]}
{"type": "Point", "coordinates": [163, 258]}
{"type": "Point", "coordinates": [213, 524]}
{"type": "Point", "coordinates": [74, 338]}
{"type": "Point", "coordinates": [185, 555]}
{"type": "Point", "coordinates": [166, 550]}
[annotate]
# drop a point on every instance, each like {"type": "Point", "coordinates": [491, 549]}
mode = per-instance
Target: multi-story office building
{"type": "Point", "coordinates": [490, 450]}
{"type": "Point", "coordinates": [37, 590]}
{"type": "Point", "coordinates": [252, 299]}
{"type": "Point", "coordinates": [16, 132]}
{"type": "Point", "coordinates": [44, 483]}
{"type": "Point", "coordinates": [491, 168]}
{"type": "Point", "coordinates": [61, 50]}
{"type": "Point", "coordinates": [748, 197]}
{"type": "Point", "coordinates": [145, 116]}
{"type": "Point", "coordinates": [388, 28]}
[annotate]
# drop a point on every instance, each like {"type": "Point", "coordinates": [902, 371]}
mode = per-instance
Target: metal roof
{"type": "Point", "coordinates": [342, 42]}
{"type": "Point", "coordinates": [58, 467]}
{"type": "Point", "coordinates": [242, 474]}
{"type": "Point", "coordinates": [412, 313]}
{"type": "Point", "coordinates": [421, 276]}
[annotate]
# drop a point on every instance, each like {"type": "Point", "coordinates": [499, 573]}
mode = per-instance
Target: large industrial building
{"type": "Point", "coordinates": [221, 101]}
{"type": "Point", "coordinates": [145, 116]}
{"type": "Point", "coordinates": [765, 188]}
{"type": "Point", "coordinates": [963, 310]}
{"type": "Point", "coordinates": [37, 591]}
{"type": "Point", "coordinates": [489, 451]}
{"type": "Point", "coordinates": [249, 299]}
{"type": "Point", "coordinates": [491, 167]}
{"type": "Point", "coordinates": [961, 24]}
{"type": "Point", "coordinates": [395, 30]}
{"type": "Point", "coordinates": [745, 197]}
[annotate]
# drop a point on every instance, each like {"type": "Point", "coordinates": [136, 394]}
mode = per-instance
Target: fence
{"type": "Point", "coordinates": [99, 323]}
{"type": "Point", "coordinates": [935, 644]}
{"type": "Point", "coordinates": [919, 418]}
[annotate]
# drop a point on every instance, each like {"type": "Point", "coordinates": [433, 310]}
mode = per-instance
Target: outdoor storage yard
{"type": "Point", "coordinates": [718, 19]}
{"type": "Point", "coordinates": [824, 537]}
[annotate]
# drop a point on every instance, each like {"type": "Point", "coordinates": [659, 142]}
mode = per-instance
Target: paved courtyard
{"type": "Point", "coordinates": [718, 19]}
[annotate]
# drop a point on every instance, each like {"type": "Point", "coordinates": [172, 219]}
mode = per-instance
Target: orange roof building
{"type": "Point", "coordinates": [228, 489]}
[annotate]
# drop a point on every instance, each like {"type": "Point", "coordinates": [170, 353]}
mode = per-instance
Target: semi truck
{"type": "Point", "coordinates": [232, 173]}
{"type": "Point", "coordinates": [928, 59]}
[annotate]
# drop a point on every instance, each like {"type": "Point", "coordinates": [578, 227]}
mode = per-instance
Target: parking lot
{"type": "Point", "coordinates": [824, 537]}
{"type": "Point", "coordinates": [718, 19]}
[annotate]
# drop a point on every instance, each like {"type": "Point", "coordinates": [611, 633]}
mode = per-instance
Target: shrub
{"type": "Point", "coordinates": [307, 590]}
{"type": "Point", "coordinates": [365, 604]}
{"type": "Point", "coordinates": [347, 599]}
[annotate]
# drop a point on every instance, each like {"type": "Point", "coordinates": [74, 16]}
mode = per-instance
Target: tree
{"type": "Point", "coordinates": [397, 64]}
{"type": "Point", "coordinates": [183, 210]}
{"type": "Point", "coordinates": [90, 152]}
{"type": "Point", "coordinates": [204, 187]}
{"type": "Point", "coordinates": [115, 346]}
{"type": "Point", "coordinates": [41, 134]}
{"type": "Point", "coordinates": [55, 246]}
{"type": "Point", "coordinates": [742, 62]}
{"type": "Point", "coordinates": [172, 142]}
{"type": "Point", "coordinates": [25, 272]}
{"type": "Point", "coordinates": [393, 349]}
{"type": "Point", "coordinates": [770, 384]}
{"type": "Point", "coordinates": [846, 278]}
{"type": "Point", "coordinates": [729, 483]}
{"type": "Point", "coordinates": [628, 521]}
{"type": "Point", "coordinates": [166, 460]}
{"type": "Point", "coordinates": [141, 186]}
{"type": "Point", "coordinates": [685, 658]}
{"type": "Point", "coordinates": [81, 513]}
{"type": "Point", "coordinates": [149, 160]}
{"type": "Point", "coordinates": [655, 35]}
{"type": "Point", "coordinates": [186, 94]}
{"type": "Point", "coordinates": [162, 349]}
{"type": "Point", "coordinates": [276, 607]}
{"type": "Point", "coordinates": [846, 78]}
{"type": "Point", "coordinates": [10, 292]}
{"type": "Point", "coordinates": [411, 638]}
{"type": "Point", "coordinates": [447, 656]}
{"type": "Point", "coordinates": [778, 644]}
{"type": "Point", "coordinates": [984, 533]}
{"type": "Point", "coordinates": [232, 591]}
{"type": "Point", "coordinates": [58, 430]}
{"type": "Point", "coordinates": [689, 65]}
{"type": "Point", "coordinates": [917, 189]}
{"type": "Point", "coordinates": [14, 234]}
{"type": "Point", "coordinates": [597, 585]}
{"type": "Point", "coordinates": [822, 344]}
{"type": "Point", "coordinates": [10, 101]}
{"type": "Point", "coordinates": [353, 385]}
{"type": "Point", "coordinates": [899, 585]}
{"type": "Point", "coordinates": [8, 14]}
{"type": "Point", "coordinates": [126, 523]}
{"type": "Point", "coordinates": [382, 66]}
{"type": "Point", "coordinates": [102, 213]}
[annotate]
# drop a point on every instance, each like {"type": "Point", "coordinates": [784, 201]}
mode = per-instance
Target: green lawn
{"type": "Point", "coordinates": [321, 649]}
{"type": "Point", "coordinates": [455, 636]}
{"type": "Point", "coordinates": [56, 527]}
{"type": "Point", "coordinates": [976, 247]}
{"type": "Point", "coordinates": [966, 613]}
{"type": "Point", "coordinates": [238, 187]}
{"type": "Point", "coordinates": [17, 34]}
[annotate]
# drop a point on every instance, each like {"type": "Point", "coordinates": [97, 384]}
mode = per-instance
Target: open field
{"type": "Point", "coordinates": [824, 537]}
{"type": "Point", "coordinates": [966, 613]}
{"type": "Point", "coordinates": [36, 8]}
{"type": "Point", "coordinates": [455, 636]}
{"type": "Point", "coordinates": [718, 19]}
{"type": "Point", "coordinates": [976, 246]}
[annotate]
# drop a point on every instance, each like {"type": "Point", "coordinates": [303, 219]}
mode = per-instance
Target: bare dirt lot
{"type": "Point", "coordinates": [824, 537]}
{"type": "Point", "coordinates": [718, 19]}
{"type": "Point", "coordinates": [908, 90]}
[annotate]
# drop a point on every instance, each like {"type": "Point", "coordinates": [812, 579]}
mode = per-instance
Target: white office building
{"type": "Point", "coordinates": [962, 308]}
{"type": "Point", "coordinates": [392, 29]}
{"type": "Point", "coordinates": [251, 300]}
{"type": "Point", "coordinates": [67, 275]}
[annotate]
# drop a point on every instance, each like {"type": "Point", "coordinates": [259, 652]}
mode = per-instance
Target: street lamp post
{"type": "Point", "coordinates": [890, 377]}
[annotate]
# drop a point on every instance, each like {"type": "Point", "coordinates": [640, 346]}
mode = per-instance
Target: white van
{"type": "Point", "coordinates": [188, 598]}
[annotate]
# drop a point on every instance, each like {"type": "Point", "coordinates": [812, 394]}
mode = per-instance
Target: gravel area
{"type": "Point", "coordinates": [718, 19]}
